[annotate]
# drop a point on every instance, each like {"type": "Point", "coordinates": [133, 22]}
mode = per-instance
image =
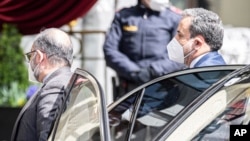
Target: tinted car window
{"type": "Point", "coordinates": [80, 120]}
{"type": "Point", "coordinates": [235, 112]}
{"type": "Point", "coordinates": [119, 117]}
{"type": "Point", "coordinates": [150, 109]}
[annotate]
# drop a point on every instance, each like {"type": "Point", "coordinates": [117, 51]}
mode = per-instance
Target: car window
{"type": "Point", "coordinates": [81, 118]}
{"type": "Point", "coordinates": [226, 103]}
{"type": "Point", "coordinates": [119, 117]}
{"type": "Point", "coordinates": [234, 113]}
{"type": "Point", "coordinates": [160, 103]}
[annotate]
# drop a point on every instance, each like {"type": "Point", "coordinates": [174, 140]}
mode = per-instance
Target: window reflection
{"type": "Point", "coordinates": [161, 102]}
{"type": "Point", "coordinates": [120, 117]}
{"type": "Point", "coordinates": [164, 100]}
{"type": "Point", "coordinates": [233, 114]}
{"type": "Point", "coordinates": [80, 120]}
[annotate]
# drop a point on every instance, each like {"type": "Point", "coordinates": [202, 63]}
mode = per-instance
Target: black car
{"type": "Point", "coordinates": [194, 104]}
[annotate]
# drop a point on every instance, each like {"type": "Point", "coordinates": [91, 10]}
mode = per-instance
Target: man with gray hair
{"type": "Point", "coordinates": [198, 39]}
{"type": "Point", "coordinates": [49, 60]}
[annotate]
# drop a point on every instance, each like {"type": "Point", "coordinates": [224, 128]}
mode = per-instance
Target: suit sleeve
{"type": "Point", "coordinates": [165, 66]}
{"type": "Point", "coordinates": [113, 57]}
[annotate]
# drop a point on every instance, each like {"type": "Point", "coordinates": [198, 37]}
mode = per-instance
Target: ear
{"type": "Point", "coordinates": [40, 55]}
{"type": "Point", "coordinates": [198, 42]}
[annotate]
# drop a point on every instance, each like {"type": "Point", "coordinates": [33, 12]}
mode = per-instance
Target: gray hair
{"type": "Point", "coordinates": [56, 44]}
{"type": "Point", "coordinates": [207, 24]}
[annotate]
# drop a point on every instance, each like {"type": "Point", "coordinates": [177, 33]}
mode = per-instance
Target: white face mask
{"type": "Point", "coordinates": [175, 51]}
{"type": "Point", "coordinates": [31, 73]}
{"type": "Point", "coordinates": [158, 5]}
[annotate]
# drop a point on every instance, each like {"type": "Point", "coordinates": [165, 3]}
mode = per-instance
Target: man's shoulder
{"type": "Point", "coordinates": [62, 74]}
{"type": "Point", "coordinates": [210, 59]}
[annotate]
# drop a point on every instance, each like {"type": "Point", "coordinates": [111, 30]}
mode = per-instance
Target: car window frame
{"type": "Point", "coordinates": [103, 115]}
{"type": "Point", "coordinates": [173, 74]}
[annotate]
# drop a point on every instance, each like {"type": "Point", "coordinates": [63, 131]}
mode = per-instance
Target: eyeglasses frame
{"type": "Point", "coordinates": [28, 55]}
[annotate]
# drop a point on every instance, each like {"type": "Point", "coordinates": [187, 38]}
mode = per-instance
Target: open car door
{"type": "Point", "coordinates": [83, 115]}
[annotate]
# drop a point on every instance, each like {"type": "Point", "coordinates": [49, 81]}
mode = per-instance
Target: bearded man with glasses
{"type": "Point", "coordinates": [50, 62]}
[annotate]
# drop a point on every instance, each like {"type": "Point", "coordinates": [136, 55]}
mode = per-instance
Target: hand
{"type": "Point", "coordinates": [141, 76]}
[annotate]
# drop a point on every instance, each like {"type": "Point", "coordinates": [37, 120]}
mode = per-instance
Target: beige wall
{"type": "Point", "coordinates": [233, 12]}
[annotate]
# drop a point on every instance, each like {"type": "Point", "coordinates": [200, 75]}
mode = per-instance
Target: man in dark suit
{"type": "Point", "coordinates": [50, 60]}
{"type": "Point", "coordinates": [198, 40]}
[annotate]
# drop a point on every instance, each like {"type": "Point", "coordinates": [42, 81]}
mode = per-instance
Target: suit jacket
{"type": "Point", "coordinates": [211, 59]}
{"type": "Point", "coordinates": [36, 119]}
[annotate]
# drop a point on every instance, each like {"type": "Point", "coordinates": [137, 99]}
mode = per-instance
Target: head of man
{"type": "Point", "coordinates": [199, 31]}
{"type": "Point", "coordinates": [51, 50]}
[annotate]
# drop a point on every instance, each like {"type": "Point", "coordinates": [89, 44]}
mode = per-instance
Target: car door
{"type": "Point", "coordinates": [145, 112]}
{"type": "Point", "coordinates": [83, 115]}
{"type": "Point", "coordinates": [212, 114]}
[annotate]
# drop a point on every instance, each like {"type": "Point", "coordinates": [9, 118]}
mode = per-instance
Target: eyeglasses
{"type": "Point", "coordinates": [29, 55]}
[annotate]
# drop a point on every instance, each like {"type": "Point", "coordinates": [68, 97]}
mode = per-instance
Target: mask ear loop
{"type": "Point", "coordinates": [189, 53]}
{"type": "Point", "coordinates": [192, 51]}
{"type": "Point", "coordinates": [185, 61]}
